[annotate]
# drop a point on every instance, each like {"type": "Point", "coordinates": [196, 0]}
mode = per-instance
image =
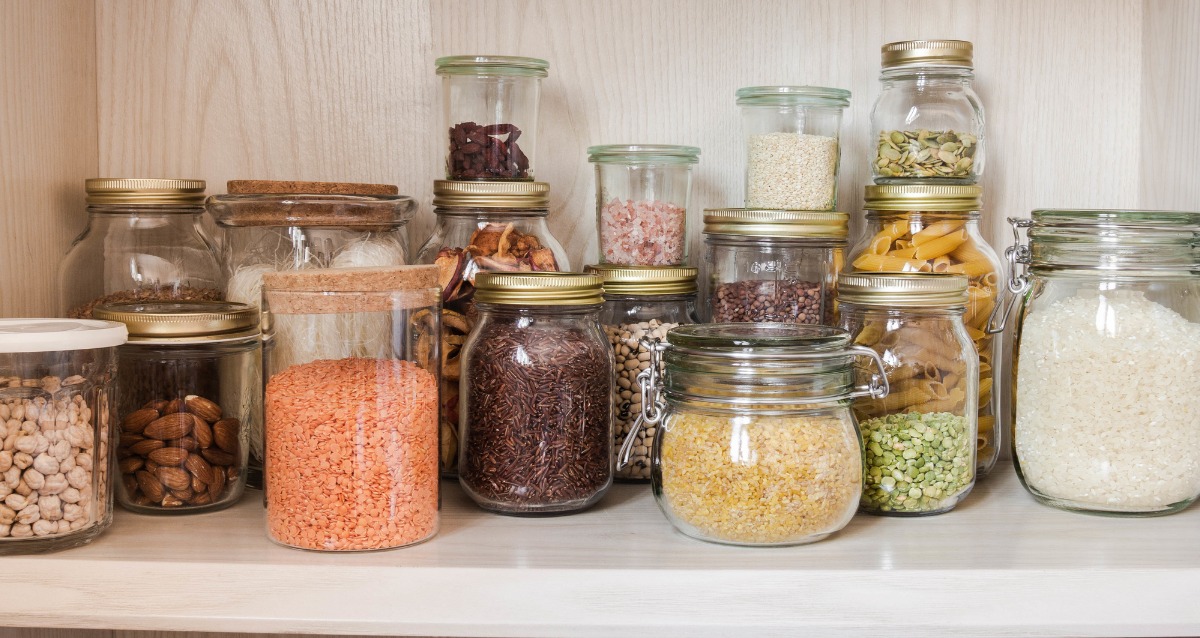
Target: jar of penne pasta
{"type": "Point", "coordinates": [772, 266]}
{"type": "Point", "coordinates": [919, 440]}
{"type": "Point", "coordinates": [928, 228]}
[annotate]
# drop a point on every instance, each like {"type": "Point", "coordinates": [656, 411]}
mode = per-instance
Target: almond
{"type": "Point", "coordinates": [183, 495]}
{"type": "Point", "coordinates": [151, 467]}
{"type": "Point", "coordinates": [202, 408]}
{"type": "Point", "coordinates": [203, 433]}
{"type": "Point", "coordinates": [201, 498]}
{"type": "Point", "coordinates": [129, 439]}
{"type": "Point", "coordinates": [199, 468]}
{"type": "Point", "coordinates": [170, 501]}
{"type": "Point", "coordinates": [150, 486]}
{"type": "Point", "coordinates": [136, 421]}
{"type": "Point", "coordinates": [198, 485]}
{"type": "Point", "coordinates": [131, 484]}
{"type": "Point", "coordinates": [145, 447]}
{"type": "Point", "coordinates": [225, 435]}
{"type": "Point", "coordinates": [175, 406]}
{"type": "Point", "coordinates": [187, 443]}
{"type": "Point", "coordinates": [216, 456]}
{"type": "Point", "coordinates": [169, 456]}
{"type": "Point", "coordinates": [130, 465]}
{"type": "Point", "coordinates": [158, 406]}
{"type": "Point", "coordinates": [217, 486]}
{"type": "Point", "coordinates": [171, 426]}
{"type": "Point", "coordinates": [174, 478]}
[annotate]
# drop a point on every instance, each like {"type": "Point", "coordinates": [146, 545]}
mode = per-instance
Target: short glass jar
{"type": "Point", "coordinates": [640, 302]}
{"type": "Point", "coordinates": [935, 228]}
{"type": "Point", "coordinates": [928, 119]}
{"type": "Point", "coordinates": [756, 443]}
{"type": "Point", "coordinates": [792, 147]}
{"type": "Point", "coordinates": [919, 440]}
{"type": "Point", "coordinates": [772, 266]}
{"type": "Point", "coordinates": [642, 197]}
{"type": "Point", "coordinates": [1107, 364]}
{"type": "Point", "coordinates": [57, 378]}
{"type": "Point", "coordinates": [537, 386]}
{"type": "Point", "coordinates": [190, 392]}
{"type": "Point", "coordinates": [481, 226]}
{"type": "Point", "coordinates": [489, 101]}
{"type": "Point", "coordinates": [144, 242]}
{"type": "Point", "coordinates": [351, 407]}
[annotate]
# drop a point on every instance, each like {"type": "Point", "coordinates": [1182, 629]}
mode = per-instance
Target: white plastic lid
{"type": "Point", "coordinates": [55, 335]}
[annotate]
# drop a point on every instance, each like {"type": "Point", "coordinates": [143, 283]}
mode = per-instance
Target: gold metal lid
{"type": "Point", "coordinates": [183, 321]}
{"type": "Point", "coordinates": [927, 52]}
{"type": "Point", "coordinates": [921, 197]}
{"type": "Point", "coordinates": [775, 223]}
{"type": "Point", "coordinates": [492, 65]}
{"type": "Point", "coordinates": [457, 194]}
{"type": "Point", "coordinates": [646, 280]}
{"type": "Point", "coordinates": [139, 191]}
{"type": "Point", "coordinates": [539, 288]}
{"type": "Point", "coordinates": [903, 290]}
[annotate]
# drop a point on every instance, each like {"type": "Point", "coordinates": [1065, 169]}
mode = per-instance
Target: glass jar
{"type": "Point", "coordinates": [919, 440]}
{"type": "Point", "coordinates": [56, 388]}
{"type": "Point", "coordinates": [779, 266]}
{"type": "Point", "coordinates": [928, 117]}
{"type": "Point", "coordinates": [352, 407]}
{"type": "Point", "coordinates": [1107, 366]}
{"type": "Point", "coordinates": [792, 149]}
{"type": "Point", "coordinates": [924, 228]}
{"type": "Point", "coordinates": [537, 395]}
{"type": "Point", "coordinates": [190, 391]}
{"type": "Point", "coordinates": [143, 242]}
{"type": "Point", "coordinates": [640, 302]}
{"type": "Point", "coordinates": [642, 195]}
{"type": "Point", "coordinates": [489, 101]}
{"type": "Point", "coordinates": [472, 220]}
{"type": "Point", "coordinates": [756, 442]}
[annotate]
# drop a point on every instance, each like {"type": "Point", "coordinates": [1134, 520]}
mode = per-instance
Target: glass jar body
{"type": "Point", "coordinates": [887, 237]}
{"type": "Point", "coordinates": [929, 124]}
{"type": "Point", "coordinates": [771, 279]}
{"type": "Point", "coordinates": [536, 405]}
{"type": "Point", "coordinates": [185, 412]}
{"type": "Point", "coordinates": [920, 440]}
{"type": "Point", "coordinates": [139, 253]}
{"type": "Point", "coordinates": [792, 155]}
{"type": "Point", "coordinates": [627, 319]}
{"type": "Point", "coordinates": [351, 404]}
{"type": "Point", "coordinates": [492, 117]}
{"type": "Point", "coordinates": [641, 206]}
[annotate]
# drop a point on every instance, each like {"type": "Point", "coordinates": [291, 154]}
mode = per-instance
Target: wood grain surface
{"type": "Point", "coordinates": [1170, 105]}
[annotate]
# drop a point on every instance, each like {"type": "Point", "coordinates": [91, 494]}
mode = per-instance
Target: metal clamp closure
{"type": "Point", "coordinates": [878, 387]}
{"type": "Point", "coordinates": [1018, 256]}
{"type": "Point", "coordinates": [653, 406]}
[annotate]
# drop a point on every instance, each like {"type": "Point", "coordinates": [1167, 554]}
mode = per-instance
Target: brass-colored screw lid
{"type": "Point", "coordinates": [539, 288]}
{"type": "Point", "coordinates": [906, 197]}
{"type": "Point", "coordinates": [183, 321]}
{"type": "Point", "coordinates": [902, 290]}
{"type": "Point", "coordinates": [461, 194]}
{"type": "Point", "coordinates": [149, 192]}
{"type": "Point", "coordinates": [646, 280]}
{"type": "Point", "coordinates": [927, 52]}
{"type": "Point", "coordinates": [775, 223]}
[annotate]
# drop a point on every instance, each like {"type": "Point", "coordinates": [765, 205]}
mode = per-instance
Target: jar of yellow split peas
{"type": "Point", "coordinates": [920, 228]}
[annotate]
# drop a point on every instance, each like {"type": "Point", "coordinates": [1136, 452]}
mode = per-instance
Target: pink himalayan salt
{"type": "Point", "coordinates": [642, 233]}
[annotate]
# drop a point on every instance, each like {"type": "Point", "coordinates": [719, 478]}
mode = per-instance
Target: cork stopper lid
{"type": "Point", "coordinates": [362, 289]}
{"type": "Point", "coordinates": [292, 187]}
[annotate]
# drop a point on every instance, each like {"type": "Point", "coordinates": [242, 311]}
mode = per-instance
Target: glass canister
{"type": "Point", "coordinates": [489, 102]}
{"type": "Point", "coordinates": [919, 440]}
{"type": "Point", "coordinates": [57, 378]}
{"type": "Point", "coordinates": [927, 116]}
{"type": "Point", "coordinates": [481, 226]}
{"type": "Point", "coordinates": [935, 228]}
{"type": "Point", "coordinates": [351, 407]}
{"type": "Point", "coordinates": [756, 443]}
{"type": "Point", "coordinates": [642, 196]}
{"type": "Point", "coordinates": [537, 386]}
{"type": "Point", "coordinates": [143, 242]}
{"type": "Point", "coordinates": [792, 148]}
{"type": "Point", "coordinates": [772, 266]}
{"type": "Point", "coordinates": [190, 392]}
{"type": "Point", "coordinates": [640, 302]}
{"type": "Point", "coordinates": [1107, 365]}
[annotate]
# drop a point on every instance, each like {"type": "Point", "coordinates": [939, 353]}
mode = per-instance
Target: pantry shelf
{"type": "Point", "coordinates": [999, 565]}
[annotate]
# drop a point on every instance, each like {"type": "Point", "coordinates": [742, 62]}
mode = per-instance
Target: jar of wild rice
{"type": "Point", "coordinates": [639, 303]}
{"type": "Point", "coordinates": [536, 426]}
{"type": "Point", "coordinates": [1107, 367]}
{"type": "Point", "coordinates": [766, 265]}
{"type": "Point", "coordinates": [756, 443]}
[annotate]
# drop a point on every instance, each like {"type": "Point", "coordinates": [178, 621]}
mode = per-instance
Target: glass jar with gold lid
{"type": "Point", "coordinates": [536, 425]}
{"type": "Point", "coordinates": [190, 392]}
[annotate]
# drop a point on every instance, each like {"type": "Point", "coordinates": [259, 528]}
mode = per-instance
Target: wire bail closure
{"type": "Point", "coordinates": [1018, 256]}
{"type": "Point", "coordinates": [653, 406]}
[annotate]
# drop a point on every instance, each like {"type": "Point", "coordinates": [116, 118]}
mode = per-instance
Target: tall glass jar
{"type": "Point", "coordinates": [57, 378]}
{"type": "Point", "coordinates": [642, 196]}
{"type": "Point", "coordinates": [792, 148]}
{"type": "Point", "coordinates": [489, 101]}
{"type": "Point", "coordinates": [756, 443]}
{"type": "Point", "coordinates": [639, 303]}
{"type": "Point", "coordinates": [143, 242]}
{"type": "Point", "coordinates": [190, 391]}
{"type": "Point", "coordinates": [1107, 365]}
{"type": "Point", "coordinates": [919, 440]}
{"type": "Point", "coordinates": [928, 119]}
{"type": "Point", "coordinates": [772, 265]}
{"type": "Point", "coordinates": [351, 407]}
{"type": "Point", "coordinates": [536, 401]}
{"type": "Point", "coordinates": [481, 226]}
{"type": "Point", "coordinates": [924, 228]}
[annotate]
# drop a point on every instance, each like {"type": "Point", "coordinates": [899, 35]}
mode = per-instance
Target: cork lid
{"type": "Point", "coordinates": [394, 278]}
{"type": "Point", "coordinates": [291, 187]}
{"type": "Point", "coordinates": [358, 207]}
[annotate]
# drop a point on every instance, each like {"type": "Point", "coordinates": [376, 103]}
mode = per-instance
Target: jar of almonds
{"type": "Point", "coordinates": [191, 388]}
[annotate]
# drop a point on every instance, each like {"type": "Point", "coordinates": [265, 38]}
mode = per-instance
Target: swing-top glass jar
{"type": "Point", "coordinates": [756, 442]}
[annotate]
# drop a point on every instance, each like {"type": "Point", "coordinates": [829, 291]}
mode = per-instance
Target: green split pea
{"type": "Point", "coordinates": [916, 463]}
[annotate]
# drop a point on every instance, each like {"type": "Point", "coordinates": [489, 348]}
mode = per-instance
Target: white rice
{"type": "Point", "coordinates": [791, 171]}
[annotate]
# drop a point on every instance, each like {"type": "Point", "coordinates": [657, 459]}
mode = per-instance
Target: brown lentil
{"type": "Point", "coordinates": [785, 300]}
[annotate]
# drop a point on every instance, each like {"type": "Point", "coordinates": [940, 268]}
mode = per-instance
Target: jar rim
{"type": "Point", "coordinates": [776, 223]}
{"type": "Point", "coordinates": [505, 65]}
{"type": "Point", "coordinates": [363, 212]}
{"type": "Point", "coordinates": [787, 95]}
{"type": "Point", "coordinates": [643, 154]}
{"type": "Point", "coordinates": [775, 340]}
{"type": "Point", "coordinates": [182, 321]}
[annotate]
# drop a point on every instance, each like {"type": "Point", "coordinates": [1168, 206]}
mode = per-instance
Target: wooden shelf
{"type": "Point", "coordinates": [999, 565]}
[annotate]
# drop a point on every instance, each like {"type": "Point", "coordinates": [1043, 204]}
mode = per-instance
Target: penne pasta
{"type": "Point", "coordinates": [971, 269]}
{"type": "Point", "coordinates": [941, 246]}
{"type": "Point", "coordinates": [885, 263]}
{"type": "Point", "coordinates": [936, 230]}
